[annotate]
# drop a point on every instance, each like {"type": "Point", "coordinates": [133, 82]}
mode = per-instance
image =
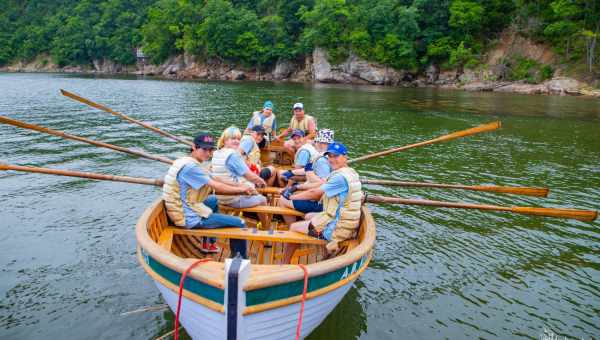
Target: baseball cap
{"type": "Point", "coordinates": [258, 128]}
{"type": "Point", "coordinates": [336, 149]}
{"type": "Point", "coordinates": [204, 140]}
{"type": "Point", "coordinates": [298, 106]}
{"type": "Point", "coordinates": [268, 105]}
{"type": "Point", "coordinates": [297, 132]}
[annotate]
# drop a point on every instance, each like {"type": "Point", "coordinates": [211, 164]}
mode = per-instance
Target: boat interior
{"type": "Point", "coordinates": [265, 244]}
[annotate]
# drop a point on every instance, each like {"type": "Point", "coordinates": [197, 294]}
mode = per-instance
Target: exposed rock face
{"type": "Point", "coordinates": [432, 73]}
{"type": "Point", "coordinates": [563, 85]}
{"type": "Point", "coordinates": [283, 69]}
{"type": "Point", "coordinates": [353, 70]}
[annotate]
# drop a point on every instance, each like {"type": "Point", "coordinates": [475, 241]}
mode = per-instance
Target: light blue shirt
{"type": "Point", "coordinates": [247, 143]}
{"type": "Point", "coordinates": [335, 185]}
{"type": "Point", "coordinates": [236, 165]}
{"type": "Point", "coordinates": [192, 176]}
{"type": "Point", "coordinates": [302, 158]}
{"type": "Point", "coordinates": [262, 120]}
{"type": "Point", "coordinates": [322, 167]}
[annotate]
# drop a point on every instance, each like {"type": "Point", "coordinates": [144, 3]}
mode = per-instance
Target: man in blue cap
{"type": "Point", "coordinates": [266, 118]}
{"type": "Point", "coordinates": [188, 199]}
{"type": "Point", "coordinates": [342, 200]}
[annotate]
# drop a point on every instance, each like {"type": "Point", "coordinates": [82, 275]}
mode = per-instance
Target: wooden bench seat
{"type": "Point", "coordinates": [252, 234]}
{"type": "Point", "coordinates": [264, 209]}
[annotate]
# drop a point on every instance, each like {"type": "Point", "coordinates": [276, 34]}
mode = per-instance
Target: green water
{"type": "Point", "coordinates": [67, 247]}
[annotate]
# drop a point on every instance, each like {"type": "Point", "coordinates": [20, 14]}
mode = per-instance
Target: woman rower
{"type": "Point", "coordinates": [229, 167]}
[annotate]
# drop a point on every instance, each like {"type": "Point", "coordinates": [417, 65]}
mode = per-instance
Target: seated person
{"type": "Point", "coordinates": [267, 120]}
{"type": "Point", "coordinates": [300, 121]}
{"type": "Point", "coordinates": [250, 150]}
{"type": "Point", "coordinates": [315, 176]}
{"type": "Point", "coordinates": [229, 167]}
{"type": "Point", "coordinates": [342, 200]}
{"type": "Point", "coordinates": [304, 157]}
{"type": "Point", "coordinates": [186, 193]}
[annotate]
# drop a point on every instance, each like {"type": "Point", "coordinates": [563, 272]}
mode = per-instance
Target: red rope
{"type": "Point", "coordinates": [299, 328]}
{"type": "Point", "coordinates": [176, 336]}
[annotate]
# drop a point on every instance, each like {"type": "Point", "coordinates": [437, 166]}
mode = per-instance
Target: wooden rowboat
{"type": "Point", "coordinates": [248, 299]}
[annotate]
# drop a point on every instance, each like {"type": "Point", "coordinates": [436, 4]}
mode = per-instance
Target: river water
{"type": "Point", "coordinates": [67, 246]}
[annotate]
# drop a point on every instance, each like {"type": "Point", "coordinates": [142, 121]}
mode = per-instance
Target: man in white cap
{"type": "Point", "coordinates": [300, 121]}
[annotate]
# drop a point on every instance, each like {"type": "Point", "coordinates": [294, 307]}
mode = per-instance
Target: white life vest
{"type": "Point", "coordinates": [219, 171]}
{"type": "Point", "coordinates": [172, 194]}
{"type": "Point", "coordinates": [349, 220]}
{"type": "Point", "coordinates": [303, 124]}
{"type": "Point", "coordinates": [314, 154]}
{"type": "Point", "coordinates": [267, 123]}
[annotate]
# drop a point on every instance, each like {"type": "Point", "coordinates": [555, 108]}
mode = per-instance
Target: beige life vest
{"type": "Point", "coordinates": [303, 124]}
{"type": "Point", "coordinates": [254, 155]}
{"type": "Point", "coordinates": [314, 154]}
{"type": "Point", "coordinates": [172, 194]}
{"type": "Point", "coordinates": [349, 220]}
{"type": "Point", "coordinates": [267, 123]}
{"type": "Point", "coordinates": [219, 171]}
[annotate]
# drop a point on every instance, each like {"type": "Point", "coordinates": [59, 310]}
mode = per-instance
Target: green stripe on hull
{"type": "Point", "coordinates": [290, 289]}
{"type": "Point", "coordinates": [199, 288]}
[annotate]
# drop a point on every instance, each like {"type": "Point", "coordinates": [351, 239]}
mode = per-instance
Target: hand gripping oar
{"type": "Point", "coordinates": [123, 116]}
{"type": "Point", "coordinates": [582, 215]}
{"type": "Point", "coordinates": [528, 191]}
{"type": "Point", "coordinates": [102, 177]}
{"type": "Point", "coordinates": [38, 128]}
{"type": "Point", "coordinates": [478, 129]}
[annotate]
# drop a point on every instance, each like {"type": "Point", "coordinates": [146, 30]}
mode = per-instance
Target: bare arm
{"type": "Point", "coordinates": [254, 178]}
{"type": "Point", "coordinates": [312, 194]}
{"type": "Point", "coordinates": [222, 188]}
{"type": "Point", "coordinates": [313, 181]}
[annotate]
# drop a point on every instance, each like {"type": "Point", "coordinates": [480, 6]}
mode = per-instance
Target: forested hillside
{"type": "Point", "coordinates": [403, 34]}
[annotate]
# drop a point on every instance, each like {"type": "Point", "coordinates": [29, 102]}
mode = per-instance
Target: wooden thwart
{"type": "Point", "coordinates": [265, 209]}
{"type": "Point", "coordinates": [245, 234]}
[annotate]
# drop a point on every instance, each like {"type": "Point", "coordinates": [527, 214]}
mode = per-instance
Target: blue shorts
{"type": "Point", "coordinates": [307, 206]}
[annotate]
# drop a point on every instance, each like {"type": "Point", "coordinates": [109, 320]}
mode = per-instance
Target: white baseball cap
{"type": "Point", "coordinates": [298, 106]}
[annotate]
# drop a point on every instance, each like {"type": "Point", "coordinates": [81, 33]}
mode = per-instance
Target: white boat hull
{"type": "Point", "coordinates": [201, 322]}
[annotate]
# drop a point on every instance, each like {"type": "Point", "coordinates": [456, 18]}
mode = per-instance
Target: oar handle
{"type": "Point", "coordinates": [124, 116]}
{"type": "Point", "coordinates": [478, 129]}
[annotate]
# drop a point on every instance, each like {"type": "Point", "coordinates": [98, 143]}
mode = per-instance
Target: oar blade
{"type": "Point", "coordinates": [582, 215]}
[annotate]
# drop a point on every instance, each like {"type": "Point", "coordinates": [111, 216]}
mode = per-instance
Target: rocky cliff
{"type": "Point", "coordinates": [489, 76]}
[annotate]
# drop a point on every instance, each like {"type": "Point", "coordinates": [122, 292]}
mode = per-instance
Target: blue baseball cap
{"type": "Point", "coordinates": [204, 140]}
{"type": "Point", "coordinates": [297, 132]}
{"type": "Point", "coordinates": [336, 149]}
{"type": "Point", "coordinates": [268, 105]}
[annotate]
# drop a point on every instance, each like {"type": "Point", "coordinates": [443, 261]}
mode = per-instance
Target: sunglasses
{"type": "Point", "coordinates": [331, 155]}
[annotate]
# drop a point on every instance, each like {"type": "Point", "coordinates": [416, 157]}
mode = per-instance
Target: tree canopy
{"type": "Point", "coordinates": [404, 34]}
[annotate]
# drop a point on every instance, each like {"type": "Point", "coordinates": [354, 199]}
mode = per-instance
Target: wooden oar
{"type": "Point", "coordinates": [528, 191]}
{"type": "Point", "coordinates": [38, 128]}
{"type": "Point", "coordinates": [123, 116]}
{"type": "Point", "coordinates": [478, 129]}
{"type": "Point", "coordinates": [102, 177]}
{"type": "Point", "coordinates": [582, 215]}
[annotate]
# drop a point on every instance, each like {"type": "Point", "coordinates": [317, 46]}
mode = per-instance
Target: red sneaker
{"type": "Point", "coordinates": [213, 248]}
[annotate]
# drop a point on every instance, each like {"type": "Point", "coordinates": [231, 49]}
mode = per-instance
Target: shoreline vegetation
{"type": "Point", "coordinates": [530, 47]}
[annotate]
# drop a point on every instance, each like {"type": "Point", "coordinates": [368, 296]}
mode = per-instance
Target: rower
{"type": "Point", "coordinates": [249, 148]}
{"type": "Point", "coordinates": [229, 167]}
{"type": "Point", "coordinates": [189, 204]}
{"type": "Point", "coordinates": [316, 175]}
{"type": "Point", "coordinates": [342, 200]}
{"type": "Point", "coordinates": [304, 157]}
{"type": "Point", "coordinates": [299, 121]}
{"type": "Point", "coordinates": [265, 118]}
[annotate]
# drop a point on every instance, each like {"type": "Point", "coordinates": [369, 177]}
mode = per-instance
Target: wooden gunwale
{"type": "Point", "coordinates": [262, 276]}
